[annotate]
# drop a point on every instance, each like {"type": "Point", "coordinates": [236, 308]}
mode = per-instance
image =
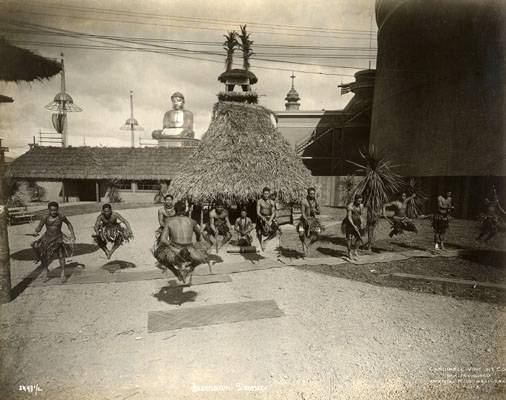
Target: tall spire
{"type": "Point", "coordinates": [131, 123]}
{"type": "Point", "coordinates": [292, 98]}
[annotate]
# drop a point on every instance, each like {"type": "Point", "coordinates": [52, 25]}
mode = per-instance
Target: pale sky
{"type": "Point", "coordinates": [99, 81]}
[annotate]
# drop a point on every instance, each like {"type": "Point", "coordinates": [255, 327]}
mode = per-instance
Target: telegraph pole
{"type": "Point", "coordinates": [5, 265]}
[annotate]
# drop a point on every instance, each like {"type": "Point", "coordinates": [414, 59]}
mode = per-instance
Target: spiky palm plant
{"type": "Point", "coordinates": [378, 184]}
{"type": "Point", "coordinates": [246, 46]}
{"type": "Point", "coordinates": [230, 46]}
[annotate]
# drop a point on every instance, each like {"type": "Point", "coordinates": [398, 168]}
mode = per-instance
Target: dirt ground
{"type": "Point", "coordinates": [338, 339]}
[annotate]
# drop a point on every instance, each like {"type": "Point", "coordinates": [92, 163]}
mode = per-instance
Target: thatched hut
{"type": "Point", "coordinates": [16, 65]}
{"type": "Point", "coordinates": [22, 65]}
{"type": "Point", "coordinates": [242, 152]}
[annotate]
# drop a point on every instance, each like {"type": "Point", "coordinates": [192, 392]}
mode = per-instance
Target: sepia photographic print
{"type": "Point", "coordinates": [258, 199]}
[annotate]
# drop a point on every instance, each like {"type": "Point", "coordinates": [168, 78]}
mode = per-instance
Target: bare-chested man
{"type": "Point", "coordinates": [400, 220]}
{"type": "Point", "coordinates": [164, 213]}
{"type": "Point", "coordinates": [219, 225]}
{"type": "Point", "coordinates": [243, 226]}
{"type": "Point", "coordinates": [108, 229]}
{"type": "Point", "coordinates": [492, 219]}
{"type": "Point", "coordinates": [352, 226]}
{"type": "Point", "coordinates": [176, 250]}
{"type": "Point", "coordinates": [266, 215]}
{"type": "Point", "coordinates": [309, 226]}
{"type": "Point", "coordinates": [51, 243]}
{"type": "Point", "coordinates": [441, 219]}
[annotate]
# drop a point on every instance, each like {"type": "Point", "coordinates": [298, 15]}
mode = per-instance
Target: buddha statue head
{"type": "Point", "coordinates": [177, 99]}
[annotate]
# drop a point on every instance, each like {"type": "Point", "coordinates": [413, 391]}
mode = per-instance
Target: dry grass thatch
{"type": "Point", "coordinates": [240, 153]}
{"type": "Point", "coordinates": [18, 64]}
{"type": "Point", "coordinates": [153, 163]}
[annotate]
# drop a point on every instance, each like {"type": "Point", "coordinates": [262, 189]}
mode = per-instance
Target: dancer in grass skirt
{"type": "Point", "coordinates": [53, 242]}
{"type": "Point", "coordinates": [441, 220]}
{"type": "Point", "coordinates": [400, 221]}
{"type": "Point", "coordinates": [108, 229]}
{"type": "Point", "coordinates": [164, 213]}
{"type": "Point", "coordinates": [309, 226]}
{"type": "Point", "coordinates": [176, 251]}
{"type": "Point", "coordinates": [266, 218]}
{"type": "Point", "coordinates": [492, 221]}
{"type": "Point", "coordinates": [219, 225]}
{"type": "Point", "coordinates": [244, 226]}
{"type": "Point", "coordinates": [352, 226]}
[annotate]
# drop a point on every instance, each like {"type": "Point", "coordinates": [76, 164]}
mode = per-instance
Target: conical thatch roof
{"type": "Point", "coordinates": [241, 153]}
{"type": "Point", "coordinates": [18, 64]}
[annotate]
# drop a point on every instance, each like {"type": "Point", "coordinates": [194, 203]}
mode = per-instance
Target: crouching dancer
{"type": "Point", "coordinates": [52, 242]}
{"type": "Point", "coordinates": [176, 250]}
{"type": "Point", "coordinates": [108, 229]}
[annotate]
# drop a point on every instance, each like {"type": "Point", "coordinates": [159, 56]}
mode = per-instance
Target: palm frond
{"type": "Point", "coordinates": [246, 46]}
{"type": "Point", "coordinates": [379, 181]}
{"type": "Point", "coordinates": [230, 45]}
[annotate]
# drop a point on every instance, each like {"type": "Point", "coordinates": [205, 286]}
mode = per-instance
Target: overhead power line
{"type": "Point", "coordinates": [305, 35]}
{"type": "Point", "coordinates": [202, 43]}
{"type": "Point", "coordinates": [138, 14]}
{"type": "Point", "coordinates": [93, 37]}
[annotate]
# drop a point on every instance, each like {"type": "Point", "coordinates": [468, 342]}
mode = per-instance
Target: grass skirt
{"type": "Point", "coordinates": [347, 228]}
{"type": "Point", "coordinates": [440, 223]}
{"type": "Point", "coordinates": [111, 234]}
{"type": "Point", "coordinates": [492, 223]}
{"type": "Point", "coordinates": [402, 224]}
{"type": "Point", "coordinates": [49, 246]}
{"type": "Point", "coordinates": [267, 230]}
{"type": "Point", "coordinates": [245, 239]}
{"type": "Point", "coordinates": [176, 255]}
{"type": "Point", "coordinates": [221, 228]}
{"type": "Point", "coordinates": [311, 226]}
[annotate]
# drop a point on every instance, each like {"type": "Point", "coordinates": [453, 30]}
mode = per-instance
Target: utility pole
{"type": "Point", "coordinates": [5, 265]}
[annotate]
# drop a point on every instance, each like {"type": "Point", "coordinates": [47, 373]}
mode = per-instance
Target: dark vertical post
{"type": "Point", "coordinates": [5, 266]}
{"type": "Point", "coordinates": [97, 191]}
{"type": "Point", "coordinates": [63, 191]}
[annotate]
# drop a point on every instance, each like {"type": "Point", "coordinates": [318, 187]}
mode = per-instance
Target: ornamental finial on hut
{"type": "Point", "coordinates": [241, 77]}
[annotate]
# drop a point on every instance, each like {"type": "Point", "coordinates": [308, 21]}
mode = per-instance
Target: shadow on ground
{"type": "Point", "coordinates": [491, 258]}
{"type": "Point", "coordinates": [331, 252]}
{"type": "Point", "coordinates": [173, 294]}
{"type": "Point", "coordinates": [53, 274]}
{"type": "Point", "coordinates": [79, 249]}
{"type": "Point", "coordinates": [289, 253]}
{"type": "Point", "coordinates": [116, 265]}
{"type": "Point", "coordinates": [253, 257]}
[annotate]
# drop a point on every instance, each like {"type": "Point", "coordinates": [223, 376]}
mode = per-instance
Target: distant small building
{"type": "Point", "coordinates": [86, 173]}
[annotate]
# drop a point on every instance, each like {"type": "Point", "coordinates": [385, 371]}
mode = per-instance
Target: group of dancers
{"type": "Point", "coordinates": [175, 250]}
{"type": "Point", "coordinates": [53, 243]}
{"type": "Point", "coordinates": [354, 228]}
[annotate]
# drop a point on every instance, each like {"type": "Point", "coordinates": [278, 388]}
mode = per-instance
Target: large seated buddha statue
{"type": "Point", "coordinates": [177, 123]}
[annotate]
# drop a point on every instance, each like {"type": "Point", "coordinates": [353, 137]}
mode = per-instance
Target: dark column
{"type": "Point", "coordinates": [5, 266]}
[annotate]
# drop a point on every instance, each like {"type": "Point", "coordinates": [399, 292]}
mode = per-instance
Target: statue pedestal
{"type": "Point", "coordinates": [177, 142]}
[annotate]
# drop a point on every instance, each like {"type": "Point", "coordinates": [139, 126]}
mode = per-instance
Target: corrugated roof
{"type": "Point", "coordinates": [99, 163]}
